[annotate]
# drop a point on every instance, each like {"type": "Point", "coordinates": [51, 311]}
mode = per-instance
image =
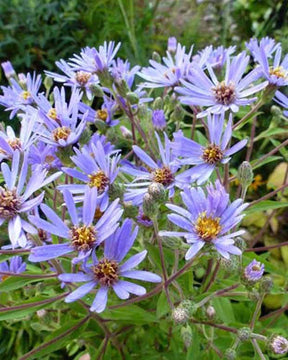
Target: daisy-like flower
{"type": "Point", "coordinates": [61, 122]}
{"type": "Point", "coordinates": [206, 158]}
{"type": "Point", "coordinates": [168, 74]}
{"type": "Point", "coordinates": [162, 172]}
{"type": "Point", "coordinates": [44, 155]}
{"type": "Point", "coordinates": [282, 100]}
{"type": "Point", "coordinates": [254, 271]}
{"type": "Point", "coordinates": [268, 45]}
{"type": "Point", "coordinates": [219, 96]}
{"type": "Point", "coordinates": [107, 146]}
{"type": "Point", "coordinates": [93, 60]}
{"type": "Point", "coordinates": [121, 70]}
{"type": "Point", "coordinates": [15, 265]}
{"type": "Point", "coordinates": [218, 56]}
{"type": "Point", "coordinates": [279, 344]}
{"type": "Point", "coordinates": [98, 170]}
{"type": "Point", "coordinates": [207, 220]}
{"type": "Point", "coordinates": [9, 142]}
{"type": "Point", "coordinates": [84, 233]}
{"type": "Point", "coordinates": [15, 197]}
{"type": "Point", "coordinates": [107, 273]}
{"type": "Point", "coordinates": [20, 94]}
{"type": "Point", "coordinates": [80, 79]}
{"type": "Point", "coordinates": [276, 72]}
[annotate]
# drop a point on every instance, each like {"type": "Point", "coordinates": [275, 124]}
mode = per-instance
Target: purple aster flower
{"type": "Point", "coordinates": [8, 69]}
{"type": "Point", "coordinates": [15, 197]}
{"type": "Point", "coordinates": [172, 44]}
{"type": "Point", "coordinates": [61, 122]}
{"type": "Point", "coordinates": [104, 114]}
{"type": "Point", "coordinates": [107, 146]}
{"type": "Point", "coordinates": [206, 158]}
{"type": "Point", "coordinates": [162, 172]}
{"type": "Point", "coordinates": [168, 74]}
{"type": "Point", "coordinates": [93, 60]}
{"type": "Point", "coordinates": [83, 234]}
{"type": "Point", "coordinates": [220, 96]}
{"type": "Point", "coordinates": [98, 170]}
{"type": "Point", "coordinates": [80, 79]}
{"type": "Point", "coordinates": [19, 95]}
{"type": "Point", "coordinates": [207, 220]}
{"type": "Point", "coordinates": [108, 272]}
{"type": "Point", "coordinates": [121, 70]}
{"type": "Point", "coordinates": [9, 142]}
{"type": "Point", "coordinates": [279, 344]}
{"type": "Point", "coordinates": [14, 266]}
{"type": "Point", "coordinates": [277, 72]}
{"type": "Point", "coordinates": [254, 271]}
{"type": "Point", "coordinates": [282, 100]}
{"type": "Point", "coordinates": [143, 219]}
{"type": "Point", "coordinates": [44, 155]}
{"type": "Point", "coordinates": [218, 56]}
{"type": "Point", "coordinates": [267, 44]}
{"type": "Point", "coordinates": [158, 119]}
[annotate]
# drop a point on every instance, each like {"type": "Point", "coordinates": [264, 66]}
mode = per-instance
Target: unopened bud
{"type": "Point", "coordinates": [48, 83]}
{"type": "Point", "coordinates": [254, 295]}
{"type": "Point", "coordinates": [276, 111]}
{"type": "Point", "coordinates": [132, 98]}
{"type": "Point", "coordinates": [96, 90]}
{"type": "Point", "coordinates": [150, 206]}
{"type": "Point", "coordinates": [278, 344]}
{"type": "Point", "coordinates": [186, 333]}
{"type": "Point", "coordinates": [178, 113]}
{"type": "Point", "coordinates": [116, 190]}
{"type": "Point", "coordinates": [158, 104]}
{"type": "Point", "coordinates": [122, 87]}
{"type": "Point", "coordinates": [173, 243]}
{"type": "Point", "coordinates": [210, 311]}
{"type": "Point", "coordinates": [230, 354]}
{"type": "Point", "coordinates": [157, 191]}
{"type": "Point", "coordinates": [127, 134]}
{"type": "Point", "coordinates": [240, 243]}
{"type": "Point", "coordinates": [189, 306]}
{"type": "Point", "coordinates": [106, 79]}
{"type": "Point", "coordinates": [41, 313]}
{"type": "Point", "coordinates": [244, 333]}
{"type": "Point", "coordinates": [266, 284]}
{"type": "Point", "coordinates": [156, 56]}
{"type": "Point", "coordinates": [232, 264]}
{"type": "Point", "coordinates": [245, 174]}
{"type": "Point", "coordinates": [180, 315]}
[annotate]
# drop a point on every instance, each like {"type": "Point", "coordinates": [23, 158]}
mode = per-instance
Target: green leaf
{"type": "Point", "coordinates": [265, 161]}
{"type": "Point", "coordinates": [162, 305]}
{"type": "Point", "coordinates": [131, 314]}
{"type": "Point", "coordinates": [13, 283]}
{"type": "Point", "coordinates": [266, 205]}
{"type": "Point", "coordinates": [224, 309]}
{"type": "Point", "coordinates": [270, 132]}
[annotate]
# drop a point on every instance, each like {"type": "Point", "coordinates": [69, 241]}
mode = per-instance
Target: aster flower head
{"type": "Point", "coordinates": [97, 170]}
{"type": "Point", "coordinates": [279, 345]}
{"type": "Point", "coordinates": [206, 158]}
{"type": "Point", "coordinates": [8, 69]}
{"type": "Point", "coordinates": [84, 233]}
{"type": "Point", "coordinates": [61, 122]}
{"type": "Point", "coordinates": [80, 79]}
{"type": "Point", "coordinates": [14, 265]}
{"type": "Point", "coordinates": [143, 219]}
{"type": "Point", "coordinates": [254, 271]}
{"type": "Point", "coordinates": [19, 95]}
{"type": "Point", "coordinates": [268, 45]}
{"type": "Point", "coordinates": [15, 197]}
{"type": "Point", "coordinates": [218, 56]}
{"type": "Point", "coordinates": [95, 60]}
{"type": "Point", "coordinates": [120, 69]}
{"type": "Point", "coordinates": [162, 171]}
{"type": "Point", "coordinates": [158, 119]}
{"type": "Point", "coordinates": [107, 272]}
{"type": "Point", "coordinates": [204, 89]}
{"type": "Point", "coordinates": [44, 155]}
{"type": "Point", "coordinates": [107, 146]}
{"type": "Point", "coordinates": [270, 65]}
{"type": "Point", "coordinates": [208, 220]}
{"type": "Point", "coordinates": [282, 100]}
{"type": "Point", "coordinates": [169, 73]}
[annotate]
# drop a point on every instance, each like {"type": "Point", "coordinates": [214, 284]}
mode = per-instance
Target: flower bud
{"type": "Point", "coordinates": [158, 119]}
{"type": "Point", "coordinates": [278, 344]}
{"type": "Point", "coordinates": [178, 113]}
{"type": "Point", "coordinates": [240, 243]}
{"type": "Point", "coordinates": [127, 134]}
{"type": "Point", "coordinates": [189, 306]}
{"type": "Point", "coordinates": [210, 312]}
{"type": "Point", "coordinates": [230, 354]}
{"type": "Point", "coordinates": [130, 211]}
{"type": "Point", "coordinates": [96, 90]}
{"type": "Point", "coordinates": [186, 334]}
{"type": "Point", "coordinates": [8, 69]}
{"type": "Point", "coordinates": [142, 219]}
{"type": "Point", "coordinates": [48, 83]}
{"type": "Point", "coordinates": [156, 56]}
{"type": "Point", "coordinates": [253, 272]}
{"type": "Point", "coordinates": [122, 87]}
{"type": "Point", "coordinates": [245, 174]}
{"type": "Point", "coordinates": [106, 79]}
{"type": "Point", "coordinates": [244, 333]}
{"type": "Point", "coordinates": [231, 265]}
{"type": "Point", "coordinates": [157, 191]}
{"type": "Point", "coordinates": [150, 206]}
{"type": "Point", "coordinates": [180, 315]}
{"type": "Point", "coordinates": [172, 44]}
{"type": "Point", "coordinates": [158, 104]}
{"type": "Point", "coordinates": [41, 313]}
{"type": "Point", "coordinates": [173, 242]}
{"type": "Point", "coordinates": [132, 98]}
{"type": "Point", "coordinates": [266, 284]}
{"type": "Point", "coordinates": [254, 295]}
{"type": "Point", "coordinates": [276, 111]}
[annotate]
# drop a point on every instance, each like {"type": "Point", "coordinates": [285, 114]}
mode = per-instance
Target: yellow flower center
{"type": "Point", "coordinates": [207, 227]}
{"type": "Point", "coordinates": [256, 267]}
{"type": "Point", "coordinates": [278, 71]}
{"type": "Point", "coordinates": [163, 176]}
{"type": "Point", "coordinates": [99, 180]}
{"type": "Point", "coordinates": [15, 143]}
{"type": "Point", "coordinates": [26, 95]}
{"type": "Point", "coordinates": [212, 154]}
{"type": "Point", "coordinates": [61, 133]}
{"type": "Point", "coordinates": [52, 114]}
{"type": "Point", "coordinates": [224, 94]}
{"type": "Point", "coordinates": [10, 203]}
{"type": "Point", "coordinates": [106, 272]}
{"type": "Point", "coordinates": [82, 77]}
{"type": "Point", "coordinates": [49, 159]}
{"type": "Point", "coordinates": [83, 237]}
{"type": "Point", "coordinates": [102, 114]}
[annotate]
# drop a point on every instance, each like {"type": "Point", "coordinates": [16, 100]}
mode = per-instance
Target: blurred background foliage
{"type": "Point", "coordinates": [36, 33]}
